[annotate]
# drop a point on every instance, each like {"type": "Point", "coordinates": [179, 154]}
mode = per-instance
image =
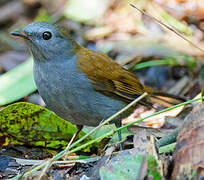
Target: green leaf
{"type": "Point", "coordinates": [202, 92]}
{"type": "Point", "coordinates": [42, 16]}
{"type": "Point", "coordinates": [167, 148]}
{"type": "Point", "coordinates": [153, 169]}
{"type": "Point", "coordinates": [28, 124]}
{"type": "Point", "coordinates": [17, 83]}
{"type": "Point", "coordinates": [155, 63]}
{"type": "Point", "coordinates": [123, 167]}
{"type": "Point", "coordinates": [177, 60]}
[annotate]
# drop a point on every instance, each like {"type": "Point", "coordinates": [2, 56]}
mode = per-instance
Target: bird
{"type": "Point", "coordinates": [80, 85]}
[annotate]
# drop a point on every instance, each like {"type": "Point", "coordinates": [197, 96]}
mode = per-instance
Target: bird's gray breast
{"type": "Point", "coordinates": [70, 94]}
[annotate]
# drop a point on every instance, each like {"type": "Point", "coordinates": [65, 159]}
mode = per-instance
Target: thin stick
{"type": "Point", "coordinates": [168, 27]}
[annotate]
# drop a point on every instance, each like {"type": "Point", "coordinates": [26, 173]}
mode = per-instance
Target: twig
{"type": "Point", "coordinates": [168, 27]}
{"type": "Point", "coordinates": [44, 171]}
{"type": "Point", "coordinates": [31, 162]}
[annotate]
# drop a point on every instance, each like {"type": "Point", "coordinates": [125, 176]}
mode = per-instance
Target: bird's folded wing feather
{"type": "Point", "coordinates": [109, 77]}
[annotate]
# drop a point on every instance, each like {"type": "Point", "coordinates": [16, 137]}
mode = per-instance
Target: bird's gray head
{"type": "Point", "coordinates": [47, 42]}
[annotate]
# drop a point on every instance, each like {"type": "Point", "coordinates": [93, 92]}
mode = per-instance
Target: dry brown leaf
{"type": "Point", "coordinates": [153, 122]}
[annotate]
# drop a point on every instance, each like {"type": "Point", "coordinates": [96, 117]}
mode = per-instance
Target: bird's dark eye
{"type": "Point", "coordinates": [47, 35]}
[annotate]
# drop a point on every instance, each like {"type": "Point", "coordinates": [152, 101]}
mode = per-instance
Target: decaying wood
{"type": "Point", "coordinates": [188, 157]}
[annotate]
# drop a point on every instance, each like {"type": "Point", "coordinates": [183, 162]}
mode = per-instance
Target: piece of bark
{"type": "Point", "coordinates": [188, 157]}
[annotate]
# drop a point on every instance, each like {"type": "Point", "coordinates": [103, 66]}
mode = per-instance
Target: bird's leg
{"type": "Point", "coordinates": [79, 128]}
{"type": "Point", "coordinates": [118, 124]}
{"type": "Point", "coordinates": [120, 139]}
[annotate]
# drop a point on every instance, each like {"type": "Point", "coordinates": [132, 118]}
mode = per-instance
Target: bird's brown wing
{"type": "Point", "coordinates": [109, 77]}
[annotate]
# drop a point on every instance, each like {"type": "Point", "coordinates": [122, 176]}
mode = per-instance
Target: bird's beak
{"type": "Point", "coordinates": [20, 34]}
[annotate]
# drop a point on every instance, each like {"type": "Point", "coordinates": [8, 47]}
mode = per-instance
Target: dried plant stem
{"type": "Point", "coordinates": [168, 27]}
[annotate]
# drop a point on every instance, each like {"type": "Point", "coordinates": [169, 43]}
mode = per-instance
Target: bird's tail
{"type": "Point", "coordinates": [162, 98]}
{"type": "Point", "coordinates": [165, 100]}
